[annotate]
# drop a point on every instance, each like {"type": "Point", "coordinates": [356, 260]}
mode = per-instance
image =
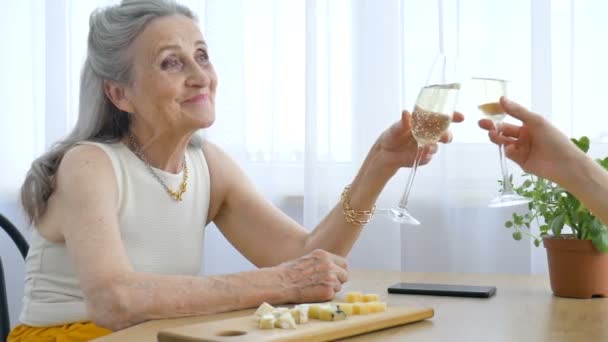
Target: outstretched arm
{"type": "Point", "coordinates": [395, 148]}
{"type": "Point", "coordinates": [267, 237]}
{"type": "Point", "coordinates": [541, 149]}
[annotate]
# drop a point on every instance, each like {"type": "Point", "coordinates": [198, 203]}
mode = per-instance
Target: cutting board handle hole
{"type": "Point", "coordinates": [231, 333]}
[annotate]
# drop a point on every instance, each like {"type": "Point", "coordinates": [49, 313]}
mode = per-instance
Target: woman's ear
{"type": "Point", "coordinates": [117, 94]}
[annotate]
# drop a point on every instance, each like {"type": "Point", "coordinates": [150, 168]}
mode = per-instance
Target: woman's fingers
{"type": "Point", "coordinates": [431, 149]}
{"type": "Point", "coordinates": [336, 263]}
{"type": "Point", "coordinates": [406, 121]}
{"type": "Point", "coordinates": [336, 259]}
{"type": "Point", "coordinates": [517, 111]}
{"type": "Point", "coordinates": [509, 130]}
{"type": "Point", "coordinates": [342, 275]}
{"type": "Point", "coordinates": [446, 137]}
{"type": "Point", "coordinates": [506, 129]}
{"type": "Point", "coordinates": [317, 276]}
{"type": "Point", "coordinates": [500, 139]}
{"type": "Point", "coordinates": [458, 117]}
{"type": "Point", "coordinates": [487, 124]}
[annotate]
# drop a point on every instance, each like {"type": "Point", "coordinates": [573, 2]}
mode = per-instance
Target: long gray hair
{"type": "Point", "coordinates": [111, 31]}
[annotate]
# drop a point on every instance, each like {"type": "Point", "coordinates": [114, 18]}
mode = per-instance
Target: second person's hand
{"type": "Point", "coordinates": [536, 146]}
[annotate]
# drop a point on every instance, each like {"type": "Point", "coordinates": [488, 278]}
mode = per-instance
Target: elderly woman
{"type": "Point", "coordinates": [119, 207]}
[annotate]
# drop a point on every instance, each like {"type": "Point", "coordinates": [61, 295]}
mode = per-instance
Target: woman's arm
{"type": "Point", "coordinates": [541, 149]}
{"type": "Point", "coordinates": [84, 207]}
{"type": "Point", "coordinates": [589, 183]}
{"type": "Point", "coordinates": [395, 148]}
{"type": "Point", "coordinates": [254, 226]}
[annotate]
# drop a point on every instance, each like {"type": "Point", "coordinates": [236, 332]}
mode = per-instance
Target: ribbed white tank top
{"type": "Point", "coordinates": [160, 236]}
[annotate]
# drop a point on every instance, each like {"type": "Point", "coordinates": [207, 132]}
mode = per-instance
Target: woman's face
{"type": "Point", "coordinates": [173, 85]}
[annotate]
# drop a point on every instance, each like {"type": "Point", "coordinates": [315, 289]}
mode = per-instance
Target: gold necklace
{"type": "Point", "coordinates": [176, 195]}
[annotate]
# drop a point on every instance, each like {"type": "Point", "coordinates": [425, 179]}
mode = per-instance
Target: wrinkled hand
{"type": "Point", "coordinates": [398, 146]}
{"type": "Point", "coordinates": [536, 146]}
{"type": "Point", "coordinates": [315, 277]}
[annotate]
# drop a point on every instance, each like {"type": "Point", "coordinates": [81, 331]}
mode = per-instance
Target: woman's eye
{"type": "Point", "coordinates": [171, 63]}
{"type": "Point", "coordinates": [202, 57]}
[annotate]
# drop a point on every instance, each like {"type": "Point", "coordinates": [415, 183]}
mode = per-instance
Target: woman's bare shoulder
{"type": "Point", "coordinates": [84, 180]}
{"type": "Point", "coordinates": [218, 159]}
{"type": "Point", "coordinates": [81, 162]}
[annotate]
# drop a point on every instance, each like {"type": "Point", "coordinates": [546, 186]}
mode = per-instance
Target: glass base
{"type": "Point", "coordinates": [508, 200]}
{"type": "Point", "coordinates": [401, 215]}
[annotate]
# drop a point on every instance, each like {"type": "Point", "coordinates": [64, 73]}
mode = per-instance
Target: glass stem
{"type": "Point", "coordinates": [506, 181]}
{"type": "Point", "coordinates": [410, 179]}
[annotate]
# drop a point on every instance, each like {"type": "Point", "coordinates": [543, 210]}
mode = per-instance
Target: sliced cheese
{"type": "Point", "coordinates": [346, 307]}
{"type": "Point", "coordinates": [267, 321]}
{"type": "Point", "coordinates": [285, 321]}
{"type": "Point", "coordinates": [361, 308]}
{"type": "Point", "coordinates": [371, 297]}
{"type": "Point", "coordinates": [263, 309]}
{"type": "Point", "coordinates": [377, 306]}
{"type": "Point", "coordinates": [300, 314]}
{"type": "Point", "coordinates": [313, 311]}
{"type": "Point", "coordinates": [277, 312]}
{"type": "Point", "coordinates": [353, 297]}
{"type": "Point", "coordinates": [331, 313]}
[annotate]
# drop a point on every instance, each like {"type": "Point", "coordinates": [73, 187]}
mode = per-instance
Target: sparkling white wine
{"type": "Point", "coordinates": [492, 111]}
{"type": "Point", "coordinates": [427, 127]}
{"type": "Point", "coordinates": [433, 112]}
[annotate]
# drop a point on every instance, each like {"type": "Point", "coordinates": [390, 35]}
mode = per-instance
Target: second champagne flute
{"type": "Point", "coordinates": [431, 117]}
{"type": "Point", "coordinates": [488, 92]}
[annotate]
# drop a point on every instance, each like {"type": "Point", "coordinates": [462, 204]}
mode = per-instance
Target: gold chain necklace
{"type": "Point", "coordinates": [176, 195]}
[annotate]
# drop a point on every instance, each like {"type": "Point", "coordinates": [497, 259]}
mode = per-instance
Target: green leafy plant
{"type": "Point", "coordinates": [553, 208]}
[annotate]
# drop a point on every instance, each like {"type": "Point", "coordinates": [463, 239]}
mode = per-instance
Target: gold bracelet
{"type": "Point", "coordinates": [355, 217]}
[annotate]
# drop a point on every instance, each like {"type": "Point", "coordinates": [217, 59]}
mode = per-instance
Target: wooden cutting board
{"type": "Point", "coordinates": [245, 329]}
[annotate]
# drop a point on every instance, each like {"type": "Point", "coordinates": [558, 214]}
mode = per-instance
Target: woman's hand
{"type": "Point", "coordinates": [398, 147]}
{"type": "Point", "coordinates": [536, 146]}
{"type": "Point", "coordinates": [315, 277]}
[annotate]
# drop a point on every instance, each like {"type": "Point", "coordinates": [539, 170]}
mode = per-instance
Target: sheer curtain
{"type": "Point", "coordinates": [306, 86]}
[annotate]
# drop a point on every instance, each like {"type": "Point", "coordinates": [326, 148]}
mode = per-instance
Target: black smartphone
{"type": "Point", "coordinates": [443, 290]}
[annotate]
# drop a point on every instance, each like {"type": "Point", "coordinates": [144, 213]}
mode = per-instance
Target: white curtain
{"type": "Point", "coordinates": [305, 88]}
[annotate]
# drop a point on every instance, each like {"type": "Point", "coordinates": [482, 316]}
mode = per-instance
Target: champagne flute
{"type": "Point", "coordinates": [488, 92]}
{"type": "Point", "coordinates": [431, 117]}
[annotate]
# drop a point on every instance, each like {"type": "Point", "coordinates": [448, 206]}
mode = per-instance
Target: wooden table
{"type": "Point", "coordinates": [523, 309]}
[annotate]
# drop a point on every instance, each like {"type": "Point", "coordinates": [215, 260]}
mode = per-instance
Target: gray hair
{"type": "Point", "coordinates": [111, 31]}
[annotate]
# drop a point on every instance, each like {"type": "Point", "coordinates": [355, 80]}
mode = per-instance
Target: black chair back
{"type": "Point", "coordinates": [23, 246]}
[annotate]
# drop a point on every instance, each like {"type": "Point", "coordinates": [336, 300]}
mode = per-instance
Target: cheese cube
{"type": "Point", "coordinates": [353, 297]}
{"type": "Point", "coordinates": [371, 297]}
{"type": "Point", "coordinates": [313, 311]}
{"type": "Point", "coordinates": [325, 314]}
{"type": "Point", "coordinates": [277, 312]}
{"type": "Point", "coordinates": [346, 307]}
{"type": "Point", "coordinates": [302, 307]}
{"type": "Point", "coordinates": [285, 321]}
{"type": "Point", "coordinates": [264, 309]}
{"type": "Point", "coordinates": [331, 313]}
{"type": "Point", "coordinates": [361, 308]}
{"type": "Point", "coordinates": [299, 315]}
{"type": "Point", "coordinates": [377, 306]}
{"type": "Point", "coordinates": [267, 321]}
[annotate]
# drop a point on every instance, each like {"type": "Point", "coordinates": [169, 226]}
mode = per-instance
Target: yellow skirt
{"type": "Point", "coordinates": [73, 332]}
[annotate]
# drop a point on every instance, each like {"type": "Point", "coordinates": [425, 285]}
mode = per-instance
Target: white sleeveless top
{"type": "Point", "coordinates": [160, 236]}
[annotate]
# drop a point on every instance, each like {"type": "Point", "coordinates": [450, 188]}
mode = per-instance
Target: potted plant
{"type": "Point", "coordinates": [578, 260]}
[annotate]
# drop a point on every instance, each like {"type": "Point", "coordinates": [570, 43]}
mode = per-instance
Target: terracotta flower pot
{"type": "Point", "coordinates": [576, 268]}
